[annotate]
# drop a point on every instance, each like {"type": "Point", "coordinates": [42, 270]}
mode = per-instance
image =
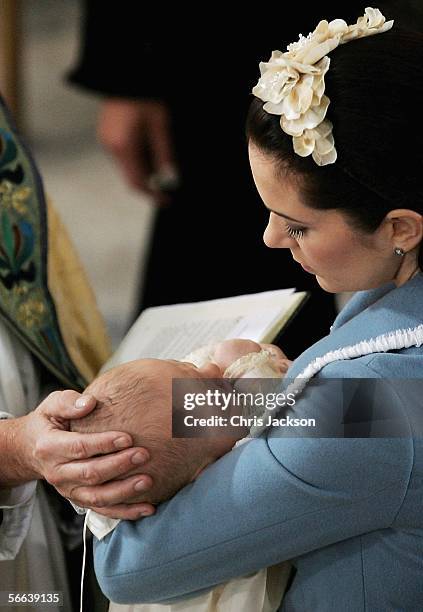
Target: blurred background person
{"type": "Point", "coordinates": [169, 141]}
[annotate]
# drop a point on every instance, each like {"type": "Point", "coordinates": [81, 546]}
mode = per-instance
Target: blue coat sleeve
{"type": "Point", "coordinates": [270, 500]}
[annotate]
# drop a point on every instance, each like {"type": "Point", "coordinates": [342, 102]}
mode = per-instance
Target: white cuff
{"type": "Point", "coordinates": [100, 525]}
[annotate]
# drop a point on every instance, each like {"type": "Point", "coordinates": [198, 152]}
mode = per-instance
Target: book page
{"type": "Point", "coordinates": [171, 332]}
{"type": "Point", "coordinates": [175, 341]}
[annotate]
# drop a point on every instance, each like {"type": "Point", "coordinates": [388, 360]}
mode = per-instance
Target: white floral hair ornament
{"type": "Point", "coordinates": [292, 84]}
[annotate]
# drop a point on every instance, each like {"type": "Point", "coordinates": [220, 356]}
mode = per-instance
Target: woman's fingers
{"type": "Point", "coordinates": [110, 493]}
{"type": "Point", "coordinates": [129, 512]}
{"type": "Point", "coordinates": [101, 469]}
{"type": "Point", "coordinates": [283, 365]}
{"type": "Point", "coordinates": [274, 350]}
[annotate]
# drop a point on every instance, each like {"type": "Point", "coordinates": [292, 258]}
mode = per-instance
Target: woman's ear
{"type": "Point", "coordinates": [407, 228]}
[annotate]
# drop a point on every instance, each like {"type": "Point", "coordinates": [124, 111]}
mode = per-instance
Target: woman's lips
{"type": "Point", "coordinates": [306, 268]}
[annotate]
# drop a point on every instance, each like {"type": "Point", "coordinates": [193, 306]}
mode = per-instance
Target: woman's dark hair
{"type": "Point", "coordinates": [375, 87]}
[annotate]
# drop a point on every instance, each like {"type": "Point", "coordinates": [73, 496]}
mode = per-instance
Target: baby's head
{"type": "Point", "coordinates": [137, 398]}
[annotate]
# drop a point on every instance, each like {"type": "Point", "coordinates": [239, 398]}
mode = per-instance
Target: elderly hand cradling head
{"type": "Point", "coordinates": [137, 398]}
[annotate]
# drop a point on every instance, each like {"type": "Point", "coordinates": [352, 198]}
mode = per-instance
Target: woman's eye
{"type": "Point", "coordinates": [296, 233]}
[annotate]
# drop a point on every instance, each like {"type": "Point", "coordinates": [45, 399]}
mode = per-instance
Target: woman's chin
{"type": "Point", "coordinates": [327, 285]}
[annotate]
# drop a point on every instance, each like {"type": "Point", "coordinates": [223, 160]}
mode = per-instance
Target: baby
{"type": "Point", "coordinates": [137, 397]}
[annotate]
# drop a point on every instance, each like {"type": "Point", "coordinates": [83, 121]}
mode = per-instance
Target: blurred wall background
{"type": "Point", "coordinates": [108, 223]}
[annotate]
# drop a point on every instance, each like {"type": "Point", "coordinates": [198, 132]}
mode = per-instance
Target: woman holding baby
{"type": "Point", "coordinates": [335, 152]}
{"type": "Point", "coordinates": [337, 161]}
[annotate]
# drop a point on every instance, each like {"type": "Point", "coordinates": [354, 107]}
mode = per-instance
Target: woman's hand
{"type": "Point", "coordinates": [279, 358]}
{"type": "Point", "coordinates": [91, 470]}
{"type": "Point", "coordinates": [227, 352]}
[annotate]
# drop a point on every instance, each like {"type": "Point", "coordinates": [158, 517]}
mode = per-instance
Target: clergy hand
{"type": "Point", "coordinates": [137, 134]}
{"type": "Point", "coordinates": [92, 470]}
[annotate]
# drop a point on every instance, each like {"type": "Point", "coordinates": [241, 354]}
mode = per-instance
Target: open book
{"type": "Point", "coordinates": [171, 332]}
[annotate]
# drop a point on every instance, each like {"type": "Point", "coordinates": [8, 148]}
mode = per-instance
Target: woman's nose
{"type": "Point", "coordinates": [275, 236]}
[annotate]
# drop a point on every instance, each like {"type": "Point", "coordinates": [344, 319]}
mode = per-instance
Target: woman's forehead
{"type": "Point", "coordinates": [282, 195]}
{"type": "Point", "coordinates": [279, 194]}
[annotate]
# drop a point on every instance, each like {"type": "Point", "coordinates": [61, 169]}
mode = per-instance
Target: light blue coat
{"type": "Point", "coordinates": [347, 512]}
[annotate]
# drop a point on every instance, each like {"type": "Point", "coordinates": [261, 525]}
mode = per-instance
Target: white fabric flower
{"type": "Point", "coordinates": [372, 22]}
{"type": "Point", "coordinates": [277, 80]}
{"type": "Point", "coordinates": [318, 142]}
{"type": "Point", "coordinates": [319, 43]}
{"type": "Point", "coordinates": [307, 121]}
{"type": "Point", "coordinates": [292, 84]}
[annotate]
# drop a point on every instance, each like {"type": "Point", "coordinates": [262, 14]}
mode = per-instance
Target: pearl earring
{"type": "Point", "coordinates": [398, 251]}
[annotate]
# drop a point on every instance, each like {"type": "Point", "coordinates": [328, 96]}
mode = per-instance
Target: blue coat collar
{"type": "Point", "coordinates": [367, 315]}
